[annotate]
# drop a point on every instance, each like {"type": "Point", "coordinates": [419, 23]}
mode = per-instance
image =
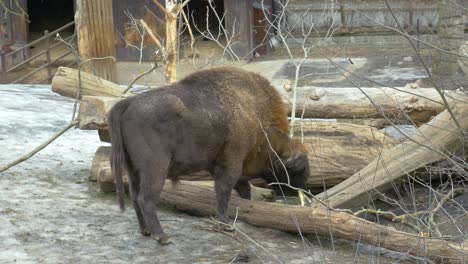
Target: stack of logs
{"type": "Point", "coordinates": [351, 161]}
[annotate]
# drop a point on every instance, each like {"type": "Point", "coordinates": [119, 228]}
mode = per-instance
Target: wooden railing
{"type": "Point", "coordinates": [46, 39]}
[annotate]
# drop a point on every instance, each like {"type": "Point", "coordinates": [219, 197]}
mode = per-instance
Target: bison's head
{"type": "Point", "coordinates": [296, 168]}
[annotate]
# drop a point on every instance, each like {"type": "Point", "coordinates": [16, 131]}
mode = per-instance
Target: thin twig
{"type": "Point", "coordinates": [38, 148]}
{"type": "Point", "coordinates": [404, 218]}
{"type": "Point", "coordinates": [155, 66]}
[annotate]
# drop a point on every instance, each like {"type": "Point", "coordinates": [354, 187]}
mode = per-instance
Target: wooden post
{"type": "Point", "coordinates": [95, 28]}
{"type": "Point", "coordinates": [171, 42]}
{"type": "Point", "coordinates": [172, 11]}
{"type": "Point", "coordinates": [47, 46]}
{"type": "Point", "coordinates": [4, 67]}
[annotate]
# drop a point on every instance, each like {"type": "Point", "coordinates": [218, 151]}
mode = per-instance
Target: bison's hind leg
{"type": "Point", "coordinates": [152, 178]}
{"type": "Point", "coordinates": [151, 164]}
{"type": "Point", "coordinates": [134, 188]}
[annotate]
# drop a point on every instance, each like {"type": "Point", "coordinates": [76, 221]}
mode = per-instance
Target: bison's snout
{"type": "Point", "coordinates": [298, 170]}
{"type": "Point", "coordinates": [294, 171]}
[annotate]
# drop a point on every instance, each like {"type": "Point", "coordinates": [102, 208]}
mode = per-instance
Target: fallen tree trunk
{"type": "Point", "coordinates": [106, 184]}
{"type": "Point", "coordinates": [336, 151]}
{"type": "Point", "coordinates": [200, 200]}
{"type": "Point", "coordinates": [434, 141]}
{"type": "Point", "coordinates": [378, 123]}
{"type": "Point", "coordinates": [420, 104]}
{"type": "Point", "coordinates": [66, 83]}
{"type": "Point", "coordinates": [93, 111]}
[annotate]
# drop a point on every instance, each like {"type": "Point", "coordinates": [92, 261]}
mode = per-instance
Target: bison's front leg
{"type": "Point", "coordinates": [226, 177]}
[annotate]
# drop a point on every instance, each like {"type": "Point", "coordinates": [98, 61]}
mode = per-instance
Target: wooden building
{"type": "Point", "coordinates": [243, 18]}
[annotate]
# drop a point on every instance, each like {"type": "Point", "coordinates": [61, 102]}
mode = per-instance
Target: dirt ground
{"type": "Point", "coordinates": [51, 213]}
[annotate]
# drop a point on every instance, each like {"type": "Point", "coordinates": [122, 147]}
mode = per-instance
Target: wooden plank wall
{"type": "Point", "coordinates": [357, 16]}
{"type": "Point", "coordinates": [14, 25]}
{"type": "Point", "coordinates": [95, 29]}
{"type": "Point", "coordinates": [239, 13]}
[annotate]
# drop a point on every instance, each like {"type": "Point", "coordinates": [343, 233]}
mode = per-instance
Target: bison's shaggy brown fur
{"type": "Point", "coordinates": [227, 121]}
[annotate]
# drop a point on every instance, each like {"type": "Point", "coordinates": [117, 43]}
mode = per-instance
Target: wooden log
{"type": "Point", "coordinates": [336, 151]}
{"type": "Point", "coordinates": [434, 141]}
{"type": "Point", "coordinates": [101, 159]}
{"type": "Point", "coordinates": [200, 200]}
{"type": "Point", "coordinates": [419, 104]}
{"type": "Point", "coordinates": [65, 83]}
{"type": "Point", "coordinates": [378, 123]}
{"type": "Point", "coordinates": [93, 111]}
{"type": "Point", "coordinates": [171, 41]}
{"type": "Point", "coordinates": [106, 184]}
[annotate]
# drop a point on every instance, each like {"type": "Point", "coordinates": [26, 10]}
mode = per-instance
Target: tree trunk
{"type": "Point", "coordinates": [450, 31]}
{"type": "Point", "coordinates": [337, 151]}
{"type": "Point", "coordinates": [200, 200]}
{"type": "Point", "coordinates": [66, 83]}
{"type": "Point", "coordinates": [434, 141]}
{"type": "Point", "coordinates": [101, 159]}
{"type": "Point", "coordinates": [106, 184]}
{"type": "Point", "coordinates": [171, 42]}
{"type": "Point", "coordinates": [418, 104]}
{"type": "Point", "coordinates": [95, 27]}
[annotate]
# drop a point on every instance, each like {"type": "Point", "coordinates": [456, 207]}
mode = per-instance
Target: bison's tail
{"type": "Point", "coordinates": [119, 157]}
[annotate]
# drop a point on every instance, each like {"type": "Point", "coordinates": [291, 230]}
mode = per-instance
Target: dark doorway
{"type": "Point", "coordinates": [197, 11]}
{"type": "Point", "coordinates": [49, 15]}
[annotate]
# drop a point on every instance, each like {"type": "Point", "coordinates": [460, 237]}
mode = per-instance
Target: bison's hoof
{"type": "Point", "coordinates": [164, 240]}
{"type": "Point", "coordinates": [228, 228]}
{"type": "Point", "coordinates": [225, 227]}
{"type": "Point", "coordinates": [145, 232]}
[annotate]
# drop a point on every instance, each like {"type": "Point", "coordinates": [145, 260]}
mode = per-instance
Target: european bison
{"type": "Point", "coordinates": [227, 121]}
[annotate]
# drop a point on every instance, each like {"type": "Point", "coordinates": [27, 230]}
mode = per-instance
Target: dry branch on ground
{"type": "Point", "coordinates": [200, 200]}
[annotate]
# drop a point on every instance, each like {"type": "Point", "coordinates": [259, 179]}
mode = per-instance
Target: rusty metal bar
{"type": "Point", "coordinates": [44, 66]}
{"type": "Point", "coordinates": [61, 57]}
{"type": "Point", "coordinates": [47, 44]}
{"type": "Point", "coordinates": [42, 38]}
{"type": "Point", "coordinates": [36, 55]}
{"type": "Point", "coordinates": [71, 63]}
{"type": "Point", "coordinates": [25, 61]}
{"type": "Point", "coordinates": [30, 74]}
{"type": "Point", "coordinates": [4, 66]}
